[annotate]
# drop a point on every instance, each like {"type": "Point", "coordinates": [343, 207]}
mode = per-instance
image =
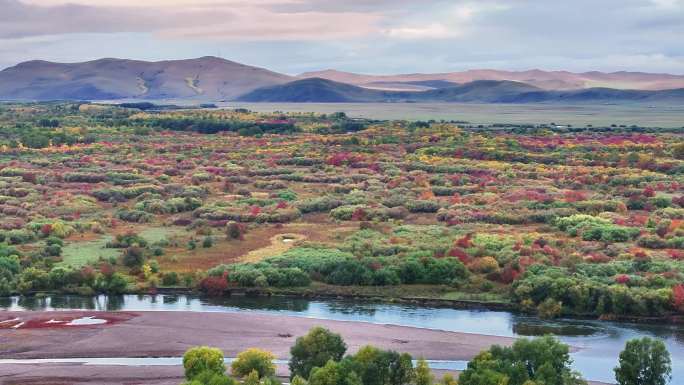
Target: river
{"type": "Point", "coordinates": [599, 342]}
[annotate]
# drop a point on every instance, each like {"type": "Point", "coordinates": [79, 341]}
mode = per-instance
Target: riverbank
{"type": "Point", "coordinates": [138, 331]}
{"type": "Point", "coordinates": [169, 334]}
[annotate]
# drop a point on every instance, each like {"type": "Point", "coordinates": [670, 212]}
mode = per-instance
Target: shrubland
{"type": "Point", "coordinates": [553, 220]}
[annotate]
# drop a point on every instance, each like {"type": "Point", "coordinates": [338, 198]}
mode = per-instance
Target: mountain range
{"type": "Point", "coordinates": [548, 80]}
{"type": "Point", "coordinates": [215, 79]}
{"type": "Point", "coordinates": [479, 91]}
{"type": "Point", "coordinates": [205, 78]}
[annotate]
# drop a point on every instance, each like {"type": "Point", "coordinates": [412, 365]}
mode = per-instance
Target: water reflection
{"type": "Point", "coordinates": [539, 329]}
{"type": "Point", "coordinates": [5, 302]}
{"type": "Point", "coordinates": [170, 299]}
{"type": "Point", "coordinates": [277, 304]}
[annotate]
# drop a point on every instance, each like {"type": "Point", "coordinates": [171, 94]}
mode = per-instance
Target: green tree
{"type": "Point", "coordinates": [542, 360]}
{"type": "Point", "coordinates": [315, 349]}
{"type": "Point", "coordinates": [209, 377]}
{"type": "Point", "coordinates": [252, 378]}
{"type": "Point", "coordinates": [644, 361]}
{"type": "Point", "coordinates": [448, 379]}
{"type": "Point", "coordinates": [254, 359]}
{"type": "Point", "coordinates": [483, 370]}
{"type": "Point", "coordinates": [298, 380]}
{"type": "Point", "coordinates": [372, 365]}
{"type": "Point", "coordinates": [333, 373]}
{"type": "Point", "coordinates": [400, 369]}
{"type": "Point", "coordinates": [424, 375]}
{"type": "Point", "coordinates": [203, 359]}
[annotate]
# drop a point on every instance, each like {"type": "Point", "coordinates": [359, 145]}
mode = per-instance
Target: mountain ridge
{"type": "Point", "coordinates": [550, 80]}
{"type": "Point", "coordinates": [211, 79]}
{"type": "Point", "coordinates": [480, 91]}
{"type": "Point", "coordinates": [205, 78]}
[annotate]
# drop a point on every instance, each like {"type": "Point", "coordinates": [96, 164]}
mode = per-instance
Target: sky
{"type": "Point", "coordinates": [374, 37]}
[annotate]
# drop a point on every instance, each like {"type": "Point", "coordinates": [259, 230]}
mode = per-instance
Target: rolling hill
{"type": "Point", "coordinates": [548, 80]}
{"type": "Point", "coordinates": [481, 91]}
{"type": "Point", "coordinates": [211, 79]}
{"type": "Point", "coordinates": [206, 78]}
{"type": "Point", "coordinates": [317, 90]}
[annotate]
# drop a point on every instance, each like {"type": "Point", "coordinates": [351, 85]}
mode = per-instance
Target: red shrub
{"type": "Point", "coordinates": [359, 215]}
{"type": "Point", "coordinates": [622, 279]}
{"type": "Point", "coordinates": [107, 269]}
{"type": "Point", "coordinates": [466, 241]}
{"type": "Point", "coordinates": [46, 229]}
{"type": "Point", "coordinates": [459, 253]}
{"type": "Point", "coordinates": [214, 286]}
{"type": "Point", "coordinates": [508, 275]}
{"type": "Point", "coordinates": [678, 297]}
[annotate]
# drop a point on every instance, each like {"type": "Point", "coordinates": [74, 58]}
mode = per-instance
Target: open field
{"type": "Point", "coordinates": [576, 115]}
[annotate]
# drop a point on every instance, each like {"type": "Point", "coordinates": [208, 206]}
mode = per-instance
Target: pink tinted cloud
{"type": "Point", "coordinates": [214, 19]}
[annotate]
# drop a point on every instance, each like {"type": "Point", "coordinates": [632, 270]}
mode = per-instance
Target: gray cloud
{"type": "Point", "coordinates": [358, 35]}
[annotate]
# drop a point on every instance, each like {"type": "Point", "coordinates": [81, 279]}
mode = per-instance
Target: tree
{"type": "Point", "coordinates": [424, 375]}
{"type": "Point", "coordinates": [252, 378]}
{"type": "Point", "coordinates": [372, 365]}
{"type": "Point", "coordinates": [483, 370]}
{"type": "Point", "coordinates": [644, 361]}
{"type": "Point", "coordinates": [333, 373]}
{"type": "Point", "coordinates": [133, 257]}
{"type": "Point", "coordinates": [400, 368]}
{"type": "Point", "coordinates": [542, 360]}
{"type": "Point", "coordinates": [254, 359]}
{"type": "Point", "coordinates": [209, 377]}
{"type": "Point", "coordinates": [298, 380]}
{"type": "Point", "coordinates": [315, 349]}
{"type": "Point", "coordinates": [448, 379]}
{"type": "Point", "coordinates": [202, 359]}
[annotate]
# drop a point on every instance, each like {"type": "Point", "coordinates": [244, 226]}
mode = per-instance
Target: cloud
{"type": "Point", "coordinates": [431, 31]}
{"type": "Point", "coordinates": [264, 25]}
{"type": "Point", "coordinates": [214, 19]}
{"type": "Point", "coordinates": [452, 22]}
{"type": "Point", "coordinates": [372, 36]}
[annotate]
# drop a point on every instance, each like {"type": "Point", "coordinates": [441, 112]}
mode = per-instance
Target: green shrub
{"type": "Point", "coordinates": [202, 359]}
{"type": "Point", "coordinates": [254, 359]}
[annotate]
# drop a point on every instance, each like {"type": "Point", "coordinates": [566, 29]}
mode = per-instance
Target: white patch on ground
{"type": "Point", "coordinates": [86, 321]}
{"type": "Point", "coordinates": [54, 322]}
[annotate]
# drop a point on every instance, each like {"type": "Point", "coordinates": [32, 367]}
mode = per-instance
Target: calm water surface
{"type": "Point", "coordinates": [600, 342]}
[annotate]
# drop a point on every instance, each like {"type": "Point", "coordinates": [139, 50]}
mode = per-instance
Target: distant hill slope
{"type": "Point", "coordinates": [317, 90]}
{"type": "Point", "coordinates": [210, 79]}
{"type": "Point", "coordinates": [481, 91]}
{"type": "Point", "coordinates": [548, 80]}
{"type": "Point", "coordinates": [604, 95]}
{"type": "Point", "coordinates": [206, 78]}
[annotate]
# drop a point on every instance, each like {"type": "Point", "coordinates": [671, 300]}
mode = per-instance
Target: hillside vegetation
{"type": "Point", "coordinates": [550, 220]}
